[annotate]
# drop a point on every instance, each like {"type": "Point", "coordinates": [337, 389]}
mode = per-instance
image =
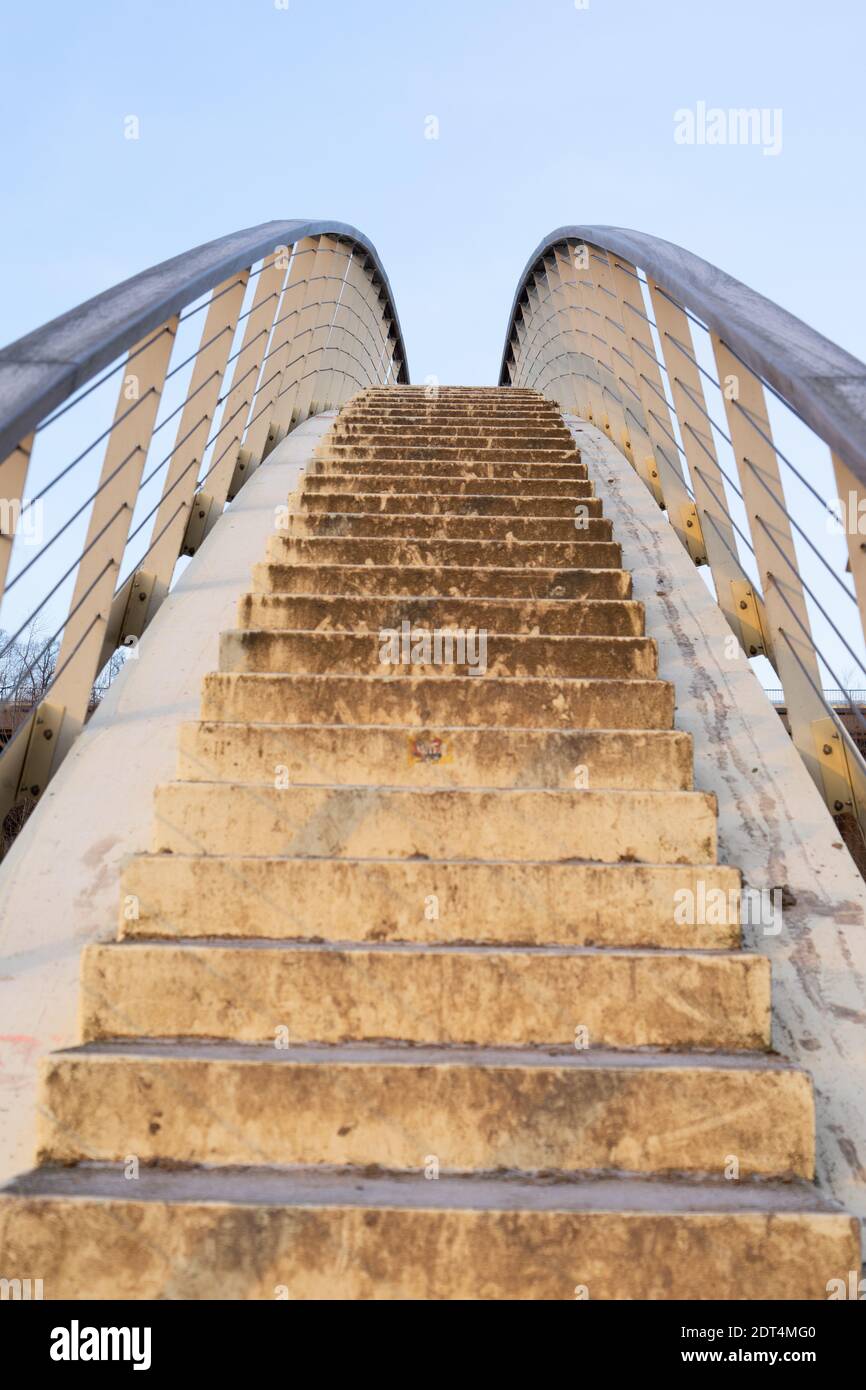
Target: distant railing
{"type": "Point", "coordinates": [602, 322]}
{"type": "Point", "coordinates": [842, 698]}
{"type": "Point", "coordinates": [263, 328]}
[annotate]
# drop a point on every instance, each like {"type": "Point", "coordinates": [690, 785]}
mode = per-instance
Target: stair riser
{"type": "Point", "coordinates": [648, 827]}
{"type": "Point", "coordinates": [497, 413]}
{"type": "Point", "coordinates": [357, 550]}
{"type": "Point", "coordinates": [326, 653]}
{"type": "Point", "coordinates": [521, 458]}
{"type": "Point", "coordinates": [129, 1249]}
{"type": "Point", "coordinates": [430, 758]}
{"type": "Point", "coordinates": [625, 905]}
{"type": "Point", "coordinates": [429, 580]}
{"type": "Point", "coordinates": [493, 998]}
{"type": "Point", "coordinates": [424, 435]}
{"type": "Point", "coordinates": [462, 484]}
{"type": "Point", "coordinates": [311, 504]}
{"type": "Point", "coordinates": [471, 1118]}
{"type": "Point", "coordinates": [491, 528]}
{"type": "Point", "coordinates": [425, 702]}
{"type": "Point", "coordinates": [556, 617]}
{"type": "Point", "coordinates": [444, 465]}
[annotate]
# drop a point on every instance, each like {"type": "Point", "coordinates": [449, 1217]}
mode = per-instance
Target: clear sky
{"type": "Point", "coordinates": [547, 114]}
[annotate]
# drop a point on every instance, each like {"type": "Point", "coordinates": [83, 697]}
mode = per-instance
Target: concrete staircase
{"type": "Point", "coordinates": [400, 1007]}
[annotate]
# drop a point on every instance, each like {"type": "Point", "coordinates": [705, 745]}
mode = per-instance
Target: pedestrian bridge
{"type": "Point", "coordinates": [409, 888]}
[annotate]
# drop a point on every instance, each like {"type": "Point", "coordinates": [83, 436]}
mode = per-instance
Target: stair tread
{"type": "Point", "coordinates": [426, 1055]}
{"type": "Point", "coordinates": [323, 1186]}
{"type": "Point", "coordinates": [483, 950]}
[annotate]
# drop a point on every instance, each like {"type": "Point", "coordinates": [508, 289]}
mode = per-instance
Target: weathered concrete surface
{"type": "Point", "coordinates": [492, 1043]}
{"type": "Point", "coordinates": [441, 527]}
{"type": "Point", "coordinates": [526, 904]}
{"type": "Point", "coordinates": [316, 1234]}
{"type": "Point", "coordinates": [481, 1111]}
{"type": "Point", "coordinates": [425, 701]}
{"type": "Point", "coordinates": [424, 994]}
{"type": "Point", "coordinates": [652, 760]}
{"type": "Point", "coordinates": [360, 550]}
{"type": "Point", "coordinates": [456, 581]}
{"type": "Point", "coordinates": [339, 613]}
{"type": "Point", "coordinates": [504, 654]}
{"type": "Point", "coordinates": [772, 822]}
{"type": "Point", "coordinates": [439, 503]}
{"type": "Point", "coordinates": [60, 882]}
{"type": "Point", "coordinates": [380, 822]}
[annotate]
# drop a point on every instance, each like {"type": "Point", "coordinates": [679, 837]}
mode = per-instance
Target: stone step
{"type": "Point", "coordinates": [334, 465]}
{"type": "Point", "coordinates": [446, 485]}
{"type": "Point", "coordinates": [410, 650]}
{"type": "Point", "coordinates": [520, 457]}
{"type": "Point", "coordinates": [453, 581]}
{"type": "Point", "coordinates": [418, 552]}
{"type": "Point", "coordinates": [521, 420]}
{"type": "Point", "coordinates": [667, 827]}
{"type": "Point", "coordinates": [385, 755]}
{"type": "Point", "coordinates": [497, 407]}
{"type": "Point", "coordinates": [580, 526]}
{"type": "Point", "coordinates": [341, 613]}
{"type": "Point", "coordinates": [310, 503]}
{"type": "Point", "coordinates": [540, 436]}
{"type": "Point", "coordinates": [321, 1235]}
{"type": "Point", "coordinates": [475, 1109]}
{"type": "Point", "coordinates": [509, 996]}
{"type": "Point", "coordinates": [426, 701]}
{"type": "Point", "coordinates": [435, 901]}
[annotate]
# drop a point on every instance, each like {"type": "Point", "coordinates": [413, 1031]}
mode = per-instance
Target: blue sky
{"type": "Point", "coordinates": [547, 114]}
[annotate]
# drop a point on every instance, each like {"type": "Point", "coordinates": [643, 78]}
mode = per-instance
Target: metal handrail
{"type": "Point", "coordinates": [321, 325]}
{"type": "Point", "coordinates": [41, 370]}
{"type": "Point", "coordinates": [823, 383]}
{"type": "Point", "coordinates": [601, 322]}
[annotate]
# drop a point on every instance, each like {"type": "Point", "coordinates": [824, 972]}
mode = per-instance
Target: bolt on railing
{"type": "Point", "coordinates": [602, 323]}
{"type": "Point", "coordinates": [298, 317]}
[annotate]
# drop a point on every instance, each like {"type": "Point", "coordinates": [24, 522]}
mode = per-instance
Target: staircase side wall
{"type": "Point", "coordinates": [773, 824]}
{"type": "Point", "coordinates": [59, 884]}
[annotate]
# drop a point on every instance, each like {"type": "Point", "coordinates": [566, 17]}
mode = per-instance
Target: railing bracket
{"type": "Point", "coordinates": [693, 533]}
{"type": "Point", "coordinates": [198, 524]}
{"type": "Point", "coordinates": [754, 629]}
{"type": "Point", "coordinates": [245, 464]}
{"type": "Point", "coordinates": [39, 754]}
{"type": "Point", "coordinates": [833, 762]}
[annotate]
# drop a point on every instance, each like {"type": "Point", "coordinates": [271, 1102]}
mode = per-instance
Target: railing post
{"type": "Point", "coordinates": [196, 419]}
{"type": "Point", "coordinates": [636, 444]}
{"type": "Point", "coordinates": [584, 381]}
{"type": "Point", "coordinates": [541, 342]}
{"type": "Point", "coordinates": [267, 424]}
{"type": "Point", "coordinates": [784, 600]}
{"type": "Point", "coordinates": [674, 494]}
{"type": "Point", "coordinates": [306, 324]}
{"type": "Point", "coordinates": [216, 484]}
{"type": "Point", "coordinates": [355, 303]}
{"type": "Point", "coordinates": [330, 265]}
{"type": "Point", "coordinates": [583, 297]}
{"type": "Point", "coordinates": [13, 478]}
{"type": "Point", "coordinates": [82, 645]}
{"type": "Point", "coordinates": [700, 450]}
{"type": "Point", "coordinates": [853, 503]}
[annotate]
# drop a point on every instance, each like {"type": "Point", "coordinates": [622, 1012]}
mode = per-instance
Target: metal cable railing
{"type": "Point", "coordinates": [634, 334]}
{"type": "Point", "coordinates": [298, 317]}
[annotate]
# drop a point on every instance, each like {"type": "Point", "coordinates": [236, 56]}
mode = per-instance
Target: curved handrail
{"type": "Point", "coordinates": [825, 385]}
{"type": "Point", "coordinates": [41, 370]}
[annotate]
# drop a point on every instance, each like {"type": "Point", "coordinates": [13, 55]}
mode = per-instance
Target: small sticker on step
{"type": "Point", "coordinates": [428, 748]}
